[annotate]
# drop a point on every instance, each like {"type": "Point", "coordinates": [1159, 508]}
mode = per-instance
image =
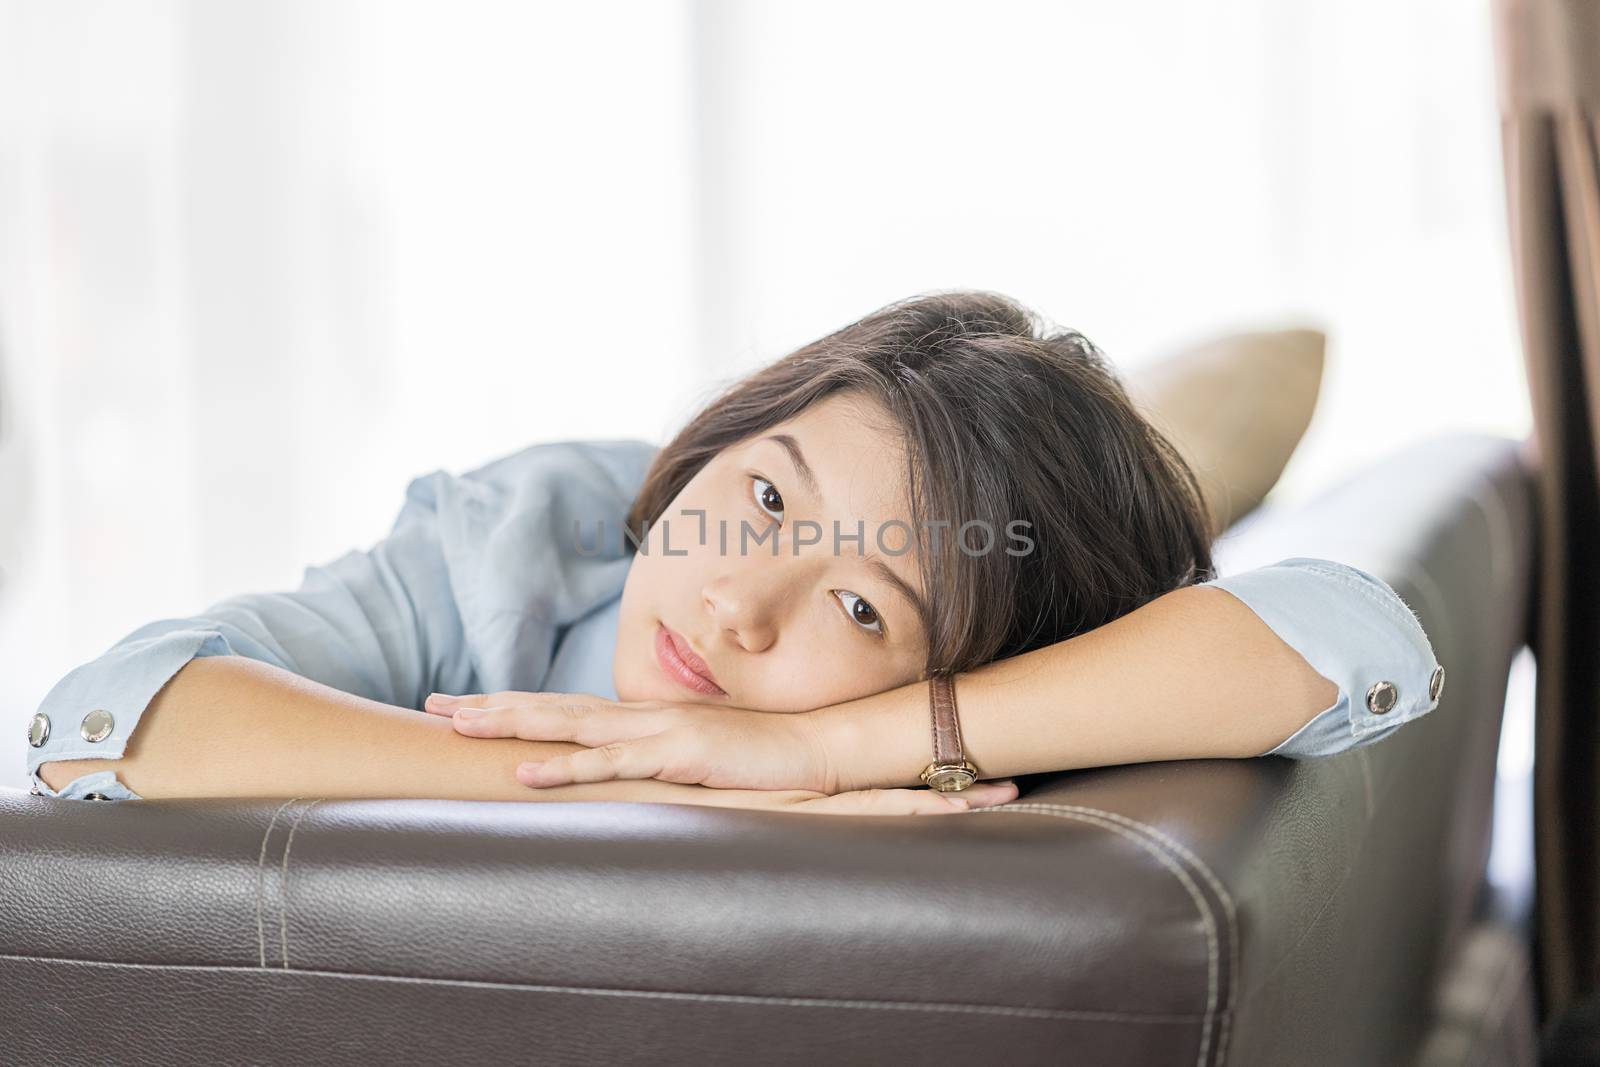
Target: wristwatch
{"type": "Point", "coordinates": [950, 771]}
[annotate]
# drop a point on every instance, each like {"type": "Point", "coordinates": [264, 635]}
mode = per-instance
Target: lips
{"type": "Point", "coordinates": [682, 665]}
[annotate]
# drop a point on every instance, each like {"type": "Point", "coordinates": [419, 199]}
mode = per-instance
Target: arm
{"type": "Point", "coordinates": [234, 726]}
{"type": "Point", "coordinates": [1238, 666]}
{"type": "Point", "coordinates": [1277, 659]}
{"type": "Point", "coordinates": [1193, 674]}
{"type": "Point", "coordinates": [469, 588]}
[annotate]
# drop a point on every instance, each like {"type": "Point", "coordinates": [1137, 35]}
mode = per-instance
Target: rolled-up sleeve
{"type": "Point", "coordinates": [471, 591]}
{"type": "Point", "coordinates": [1357, 632]}
{"type": "Point", "coordinates": [379, 623]}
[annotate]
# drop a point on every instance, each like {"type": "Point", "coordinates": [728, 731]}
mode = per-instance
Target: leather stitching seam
{"type": "Point", "coordinates": [261, 881]}
{"type": "Point", "coordinates": [283, 888]}
{"type": "Point", "coordinates": [1058, 1014]}
{"type": "Point", "coordinates": [1228, 908]}
{"type": "Point", "coordinates": [1155, 848]}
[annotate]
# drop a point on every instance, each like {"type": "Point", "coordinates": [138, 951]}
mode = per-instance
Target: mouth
{"type": "Point", "coordinates": [680, 663]}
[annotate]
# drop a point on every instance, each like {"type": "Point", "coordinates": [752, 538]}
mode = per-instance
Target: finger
{"type": "Point", "coordinates": [626, 759]}
{"type": "Point", "coordinates": [553, 722]}
{"type": "Point", "coordinates": [445, 704]}
{"type": "Point", "coordinates": [914, 801]}
{"type": "Point", "coordinates": [585, 724]}
{"type": "Point", "coordinates": [887, 802]}
{"type": "Point", "coordinates": [989, 794]}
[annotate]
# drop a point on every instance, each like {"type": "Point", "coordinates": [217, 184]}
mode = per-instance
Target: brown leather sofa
{"type": "Point", "coordinates": [1242, 912]}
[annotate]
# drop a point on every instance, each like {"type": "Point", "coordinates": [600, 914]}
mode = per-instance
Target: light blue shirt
{"type": "Point", "coordinates": [510, 576]}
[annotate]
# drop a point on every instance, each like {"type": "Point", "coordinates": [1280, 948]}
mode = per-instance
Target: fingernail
{"type": "Point", "coordinates": [1005, 781]}
{"type": "Point", "coordinates": [529, 769]}
{"type": "Point", "coordinates": [468, 713]}
{"type": "Point", "coordinates": [441, 698]}
{"type": "Point", "coordinates": [958, 802]}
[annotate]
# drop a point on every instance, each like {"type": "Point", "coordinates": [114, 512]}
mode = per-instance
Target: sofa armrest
{"type": "Point", "coordinates": [1258, 911]}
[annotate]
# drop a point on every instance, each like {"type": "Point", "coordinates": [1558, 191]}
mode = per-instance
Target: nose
{"type": "Point", "coordinates": [746, 603]}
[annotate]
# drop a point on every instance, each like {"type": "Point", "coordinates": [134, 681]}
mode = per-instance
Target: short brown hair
{"type": "Point", "coordinates": [1004, 419]}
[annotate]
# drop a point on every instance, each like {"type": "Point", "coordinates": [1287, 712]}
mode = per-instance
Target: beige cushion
{"type": "Point", "coordinates": [1235, 406]}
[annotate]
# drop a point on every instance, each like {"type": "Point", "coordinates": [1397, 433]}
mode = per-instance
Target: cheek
{"type": "Point", "coordinates": [657, 587]}
{"type": "Point", "coordinates": [822, 667]}
{"type": "Point", "coordinates": [635, 625]}
{"type": "Point", "coordinates": [660, 585]}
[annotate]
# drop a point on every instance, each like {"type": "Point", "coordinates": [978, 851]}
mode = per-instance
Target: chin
{"type": "Point", "coordinates": [633, 671]}
{"type": "Point", "coordinates": [625, 674]}
{"type": "Point", "coordinates": [630, 689]}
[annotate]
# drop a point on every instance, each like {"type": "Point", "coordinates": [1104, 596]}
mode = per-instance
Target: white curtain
{"type": "Point", "coordinates": [261, 263]}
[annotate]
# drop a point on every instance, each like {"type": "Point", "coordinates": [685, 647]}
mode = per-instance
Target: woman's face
{"type": "Point", "coordinates": [818, 621]}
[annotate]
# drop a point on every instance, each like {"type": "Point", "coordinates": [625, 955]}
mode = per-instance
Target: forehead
{"type": "Point", "coordinates": [858, 454]}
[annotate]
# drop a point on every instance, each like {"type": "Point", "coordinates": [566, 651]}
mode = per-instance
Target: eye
{"type": "Point", "coordinates": [861, 613]}
{"type": "Point", "coordinates": [768, 499]}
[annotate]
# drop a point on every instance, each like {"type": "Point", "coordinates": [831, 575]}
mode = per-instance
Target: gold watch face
{"type": "Point", "coordinates": [949, 778]}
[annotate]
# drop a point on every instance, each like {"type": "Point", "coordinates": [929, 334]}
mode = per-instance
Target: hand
{"type": "Point", "coordinates": [884, 801]}
{"type": "Point", "coordinates": [694, 744]}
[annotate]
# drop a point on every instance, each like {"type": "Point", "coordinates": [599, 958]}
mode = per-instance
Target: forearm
{"type": "Point", "coordinates": [233, 726]}
{"type": "Point", "coordinates": [1193, 674]}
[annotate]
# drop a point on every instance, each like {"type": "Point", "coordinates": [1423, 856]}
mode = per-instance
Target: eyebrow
{"type": "Point", "coordinates": [798, 458]}
{"type": "Point", "coordinates": [881, 569]}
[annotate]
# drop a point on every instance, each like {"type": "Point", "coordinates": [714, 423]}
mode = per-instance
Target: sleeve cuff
{"type": "Point", "coordinates": [1354, 630]}
{"type": "Point", "coordinates": [101, 785]}
{"type": "Point", "coordinates": [118, 684]}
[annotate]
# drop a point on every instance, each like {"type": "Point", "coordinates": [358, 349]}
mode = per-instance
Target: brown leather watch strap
{"type": "Point", "coordinates": [950, 770]}
{"type": "Point", "coordinates": [946, 726]}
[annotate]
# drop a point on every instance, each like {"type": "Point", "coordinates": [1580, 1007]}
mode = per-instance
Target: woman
{"type": "Point", "coordinates": [747, 616]}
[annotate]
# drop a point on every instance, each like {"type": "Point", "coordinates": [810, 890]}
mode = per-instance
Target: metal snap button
{"type": "Point", "coordinates": [97, 725]}
{"type": "Point", "coordinates": [95, 796]}
{"type": "Point", "coordinates": [1436, 683]}
{"type": "Point", "coordinates": [1382, 697]}
{"type": "Point", "coordinates": [39, 730]}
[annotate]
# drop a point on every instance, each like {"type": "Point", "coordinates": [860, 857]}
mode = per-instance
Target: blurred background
{"type": "Point", "coordinates": [262, 263]}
